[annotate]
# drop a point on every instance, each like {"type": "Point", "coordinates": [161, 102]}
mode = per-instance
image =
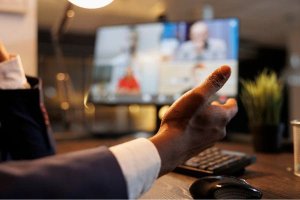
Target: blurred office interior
{"type": "Point", "coordinates": [57, 42]}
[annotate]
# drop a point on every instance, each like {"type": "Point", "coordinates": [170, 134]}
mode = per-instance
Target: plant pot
{"type": "Point", "coordinates": [267, 138]}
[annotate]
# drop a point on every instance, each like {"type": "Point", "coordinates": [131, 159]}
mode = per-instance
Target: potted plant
{"type": "Point", "coordinates": [262, 99]}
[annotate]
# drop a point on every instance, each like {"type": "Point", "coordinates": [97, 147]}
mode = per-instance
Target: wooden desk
{"type": "Point", "coordinates": [272, 174]}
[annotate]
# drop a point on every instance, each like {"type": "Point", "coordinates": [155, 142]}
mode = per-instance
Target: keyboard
{"type": "Point", "coordinates": [216, 161]}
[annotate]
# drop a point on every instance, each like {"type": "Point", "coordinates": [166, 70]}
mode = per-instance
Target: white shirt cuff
{"type": "Point", "coordinates": [12, 74]}
{"type": "Point", "coordinates": [140, 163]}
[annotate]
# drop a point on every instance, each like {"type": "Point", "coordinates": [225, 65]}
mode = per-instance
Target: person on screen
{"type": "Point", "coordinates": [201, 46]}
{"type": "Point", "coordinates": [127, 170]}
{"type": "Point", "coordinates": [169, 41]}
{"type": "Point", "coordinates": [128, 84]}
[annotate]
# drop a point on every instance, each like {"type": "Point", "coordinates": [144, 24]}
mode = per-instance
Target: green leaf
{"type": "Point", "coordinates": [262, 98]}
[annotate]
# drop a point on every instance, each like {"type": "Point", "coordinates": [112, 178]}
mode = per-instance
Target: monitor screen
{"type": "Point", "coordinates": [163, 59]}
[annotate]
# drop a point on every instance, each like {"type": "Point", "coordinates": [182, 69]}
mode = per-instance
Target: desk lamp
{"type": "Point", "coordinates": [91, 4]}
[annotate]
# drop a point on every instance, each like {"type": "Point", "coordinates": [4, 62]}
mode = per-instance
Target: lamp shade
{"type": "Point", "coordinates": [91, 4]}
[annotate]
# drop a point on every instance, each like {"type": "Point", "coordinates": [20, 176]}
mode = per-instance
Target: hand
{"type": "Point", "coordinates": [4, 56]}
{"type": "Point", "coordinates": [192, 123]}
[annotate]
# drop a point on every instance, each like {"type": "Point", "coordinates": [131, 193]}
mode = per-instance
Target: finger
{"type": "Point", "coordinates": [189, 103]}
{"type": "Point", "coordinates": [229, 107]}
{"type": "Point", "coordinates": [224, 104]}
{"type": "Point", "coordinates": [3, 53]}
{"type": "Point", "coordinates": [216, 115]}
{"type": "Point", "coordinates": [214, 82]}
{"type": "Point", "coordinates": [216, 103]}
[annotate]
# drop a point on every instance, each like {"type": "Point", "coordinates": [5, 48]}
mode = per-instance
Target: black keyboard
{"type": "Point", "coordinates": [216, 161]}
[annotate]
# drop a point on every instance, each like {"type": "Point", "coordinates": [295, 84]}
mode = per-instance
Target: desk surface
{"type": "Point", "coordinates": [272, 174]}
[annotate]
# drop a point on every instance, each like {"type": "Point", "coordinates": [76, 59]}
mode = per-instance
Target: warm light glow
{"type": "Point", "coordinates": [159, 8]}
{"type": "Point", "coordinates": [64, 105]}
{"type": "Point", "coordinates": [61, 77]}
{"type": "Point", "coordinates": [70, 13]}
{"type": "Point", "coordinates": [163, 111]}
{"type": "Point", "coordinates": [91, 4]}
{"type": "Point", "coordinates": [134, 108]}
{"type": "Point", "coordinates": [90, 108]}
{"type": "Point", "coordinates": [85, 99]}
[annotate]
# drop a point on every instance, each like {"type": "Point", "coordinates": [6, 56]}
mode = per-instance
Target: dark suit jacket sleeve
{"type": "Point", "coordinates": [93, 173]}
{"type": "Point", "coordinates": [25, 131]}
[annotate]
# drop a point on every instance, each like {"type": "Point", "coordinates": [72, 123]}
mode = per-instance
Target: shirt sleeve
{"type": "Point", "coordinates": [12, 74]}
{"type": "Point", "coordinates": [140, 163]}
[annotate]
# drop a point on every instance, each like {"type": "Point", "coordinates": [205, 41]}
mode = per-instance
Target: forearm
{"type": "Point", "coordinates": [25, 128]}
{"type": "Point", "coordinates": [92, 173]}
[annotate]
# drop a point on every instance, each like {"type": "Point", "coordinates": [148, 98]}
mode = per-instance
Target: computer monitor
{"type": "Point", "coordinates": [163, 59]}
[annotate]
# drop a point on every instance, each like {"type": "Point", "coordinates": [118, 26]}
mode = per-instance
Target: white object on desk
{"type": "Point", "coordinates": [296, 140]}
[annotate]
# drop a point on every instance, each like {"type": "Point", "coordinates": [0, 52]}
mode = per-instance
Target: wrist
{"type": "Point", "coordinates": [171, 148]}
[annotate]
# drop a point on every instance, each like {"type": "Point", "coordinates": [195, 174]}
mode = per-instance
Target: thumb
{"type": "Point", "coordinates": [214, 82]}
{"type": "Point", "coordinates": [188, 104]}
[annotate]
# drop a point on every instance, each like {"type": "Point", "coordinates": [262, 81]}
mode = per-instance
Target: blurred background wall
{"type": "Point", "coordinates": [269, 35]}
